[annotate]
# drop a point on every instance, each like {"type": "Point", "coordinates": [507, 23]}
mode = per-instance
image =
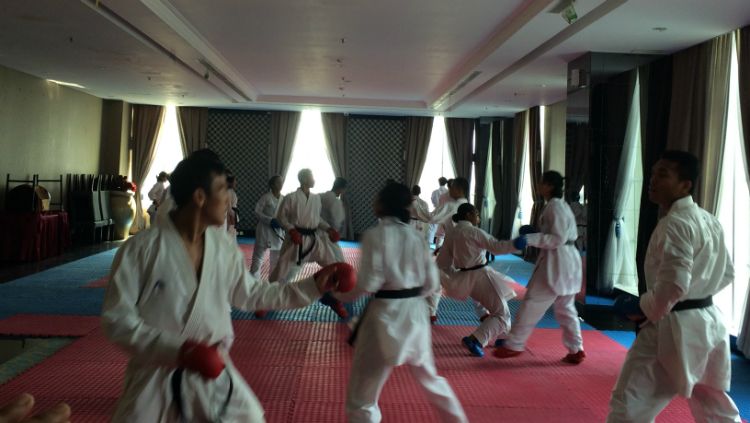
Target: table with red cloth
{"type": "Point", "coordinates": [28, 236]}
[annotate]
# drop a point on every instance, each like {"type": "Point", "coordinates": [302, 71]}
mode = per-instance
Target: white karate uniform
{"type": "Point", "coordinates": [465, 247]}
{"type": "Point", "coordinates": [682, 352]}
{"type": "Point", "coordinates": [265, 236]}
{"type": "Point", "coordinates": [299, 210]}
{"type": "Point", "coordinates": [166, 206]}
{"type": "Point", "coordinates": [555, 281]}
{"type": "Point", "coordinates": [156, 194]}
{"type": "Point", "coordinates": [443, 216]}
{"type": "Point", "coordinates": [154, 303]}
{"type": "Point", "coordinates": [421, 227]}
{"type": "Point", "coordinates": [332, 210]}
{"type": "Point", "coordinates": [395, 331]}
{"type": "Point", "coordinates": [435, 200]}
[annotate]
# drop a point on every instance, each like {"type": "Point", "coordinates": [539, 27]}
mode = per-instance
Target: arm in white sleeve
{"type": "Point", "coordinates": [121, 320]}
{"type": "Point", "coordinates": [432, 275]}
{"type": "Point", "coordinates": [673, 276]}
{"type": "Point", "coordinates": [445, 256]}
{"type": "Point", "coordinates": [259, 206]}
{"type": "Point", "coordinates": [283, 214]}
{"type": "Point", "coordinates": [439, 215]}
{"type": "Point", "coordinates": [250, 294]}
{"type": "Point", "coordinates": [371, 275]}
{"type": "Point", "coordinates": [493, 245]}
{"type": "Point", "coordinates": [554, 237]}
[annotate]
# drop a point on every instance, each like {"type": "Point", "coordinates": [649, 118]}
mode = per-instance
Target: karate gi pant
{"type": "Point", "coordinates": [367, 380]}
{"type": "Point", "coordinates": [539, 297]}
{"type": "Point", "coordinates": [323, 252]}
{"type": "Point", "coordinates": [258, 256]}
{"type": "Point", "coordinates": [643, 389]}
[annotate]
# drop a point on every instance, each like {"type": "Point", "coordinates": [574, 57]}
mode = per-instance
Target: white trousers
{"type": "Point", "coordinates": [643, 389]}
{"type": "Point", "coordinates": [367, 380]}
{"type": "Point", "coordinates": [324, 252]}
{"type": "Point", "coordinates": [258, 256]}
{"type": "Point", "coordinates": [497, 324]}
{"type": "Point", "coordinates": [539, 297]}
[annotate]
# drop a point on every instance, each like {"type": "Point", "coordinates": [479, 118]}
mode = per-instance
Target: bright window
{"type": "Point", "coordinates": [438, 162]}
{"type": "Point", "coordinates": [526, 202]}
{"type": "Point", "coordinates": [310, 152]}
{"type": "Point", "coordinates": [168, 152]}
{"type": "Point", "coordinates": [734, 202]}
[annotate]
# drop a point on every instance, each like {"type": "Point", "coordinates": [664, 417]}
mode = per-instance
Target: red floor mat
{"type": "Point", "coordinates": [48, 325]}
{"type": "Point", "coordinates": [299, 371]}
{"type": "Point", "coordinates": [98, 283]}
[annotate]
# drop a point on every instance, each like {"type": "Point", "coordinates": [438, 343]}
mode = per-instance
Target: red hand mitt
{"type": "Point", "coordinates": [201, 358]}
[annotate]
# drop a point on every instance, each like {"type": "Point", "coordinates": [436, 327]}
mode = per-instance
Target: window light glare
{"type": "Point", "coordinates": [66, 84]}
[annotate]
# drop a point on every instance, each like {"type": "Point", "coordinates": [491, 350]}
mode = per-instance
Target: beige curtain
{"type": "Point", "coordinates": [507, 149]}
{"type": "Point", "coordinates": [193, 122]}
{"type": "Point", "coordinates": [698, 112]}
{"type": "Point", "coordinates": [334, 127]}
{"type": "Point", "coordinates": [283, 133]}
{"type": "Point", "coordinates": [460, 134]}
{"type": "Point", "coordinates": [418, 131]}
{"type": "Point", "coordinates": [146, 123]}
{"type": "Point", "coordinates": [481, 154]}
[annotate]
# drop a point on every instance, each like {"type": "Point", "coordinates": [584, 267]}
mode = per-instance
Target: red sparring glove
{"type": "Point", "coordinates": [343, 279]}
{"type": "Point", "coordinates": [334, 235]}
{"type": "Point", "coordinates": [295, 236]}
{"type": "Point", "coordinates": [201, 358]}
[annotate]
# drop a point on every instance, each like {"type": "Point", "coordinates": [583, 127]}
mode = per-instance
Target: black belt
{"type": "Point", "coordinates": [394, 294]}
{"type": "Point", "coordinates": [176, 383]}
{"type": "Point", "coordinates": [691, 304]}
{"type": "Point", "coordinates": [478, 266]}
{"type": "Point", "coordinates": [305, 232]}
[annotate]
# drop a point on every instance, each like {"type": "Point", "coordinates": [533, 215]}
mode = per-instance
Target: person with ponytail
{"type": "Point", "coordinates": [556, 278]}
{"type": "Point", "coordinates": [466, 274]}
{"type": "Point", "coordinates": [397, 267]}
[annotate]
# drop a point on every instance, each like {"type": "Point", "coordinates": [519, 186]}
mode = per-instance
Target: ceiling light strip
{"type": "Point", "coordinates": [139, 35]}
{"type": "Point", "coordinates": [572, 29]}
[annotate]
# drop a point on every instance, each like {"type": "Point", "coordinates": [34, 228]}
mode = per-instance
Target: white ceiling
{"type": "Point", "coordinates": [385, 56]}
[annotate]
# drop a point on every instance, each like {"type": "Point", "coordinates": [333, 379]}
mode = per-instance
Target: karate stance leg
{"type": "Point", "coordinates": [439, 392]}
{"type": "Point", "coordinates": [710, 405]}
{"type": "Point", "coordinates": [642, 389]}
{"type": "Point", "coordinates": [567, 315]}
{"type": "Point", "coordinates": [365, 384]}
{"type": "Point", "coordinates": [258, 253]}
{"type": "Point", "coordinates": [538, 299]}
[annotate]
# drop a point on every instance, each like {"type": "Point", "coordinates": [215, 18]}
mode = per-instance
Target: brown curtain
{"type": "Point", "coordinates": [743, 57]}
{"type": "Point", "coordinates": [193, 122]}
{"type": "Point", "coordinates": [334, 127]}
{"type": "Point", "coordinates": [460, 134]}
{"type": "Point", "coordinates": [418, 131]}
{"type": "Point", "coordinates": [697, 120]}
{"type": "Point", "coordinates": [480, 165]}
{"type": "Point", "coordinates": [283, 133]}
{"type": "Point", "coordinates": [656, 95]}
{"type": "Point", "coordinates": [508, 188]}
{"type": "Point", "coordinates": [146, 123]}
{"type": "Point", "coordinates": [535, 171]}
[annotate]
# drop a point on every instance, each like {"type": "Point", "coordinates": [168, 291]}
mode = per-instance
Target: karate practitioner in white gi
{"type": "Point", "coordinates": [332, 207]}
{"type": "Point", "coordinates": [309, 238]}
{"type": "Point", "coordinates": [420, 226]}
{"type": "Point", "coordinates": [268, 232]}
{"type": "Point", "coordinates": [443, 216]}
{"type": "Point", "coordinates": [397, 266]}
{"type": "Point", "coordinates": [683, 345]}
{"type": "Point", "coordinates": [556, 278]}
{"type": "Point", "coordinates": [466, 274]}
{"type": "Point", "coordinates": [435, 200]}
{"type": "Point", "coordinates": [168, 306]}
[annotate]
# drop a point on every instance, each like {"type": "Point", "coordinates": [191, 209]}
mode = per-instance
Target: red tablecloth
{"type": "Point", "coordinates": [33, 236]}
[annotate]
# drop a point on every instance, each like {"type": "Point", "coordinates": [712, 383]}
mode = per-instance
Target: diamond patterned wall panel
{"type": "Point", "coordinates": [376, 153]}
{"type": "Point", "coordinates": [241, 138]}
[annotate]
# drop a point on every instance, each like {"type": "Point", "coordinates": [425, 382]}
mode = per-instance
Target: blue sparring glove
{"type": "Point", "coordinates": [520, 242]}
{"type": "Point", "coordinates": [275, 224]}
{"type": "Point", "coordinates": [527, 229]}
{"type": "Point", "coordinates": [629, 307]}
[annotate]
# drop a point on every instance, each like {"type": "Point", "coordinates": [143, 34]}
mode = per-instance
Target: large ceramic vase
{"type": "Point", "coordinates": [123, 212]}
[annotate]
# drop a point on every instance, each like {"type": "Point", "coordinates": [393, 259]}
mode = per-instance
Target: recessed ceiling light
{"type": "Point", "coordinates": [659, 28]}
{"type": "Point", "coordinates": [67, 84]}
